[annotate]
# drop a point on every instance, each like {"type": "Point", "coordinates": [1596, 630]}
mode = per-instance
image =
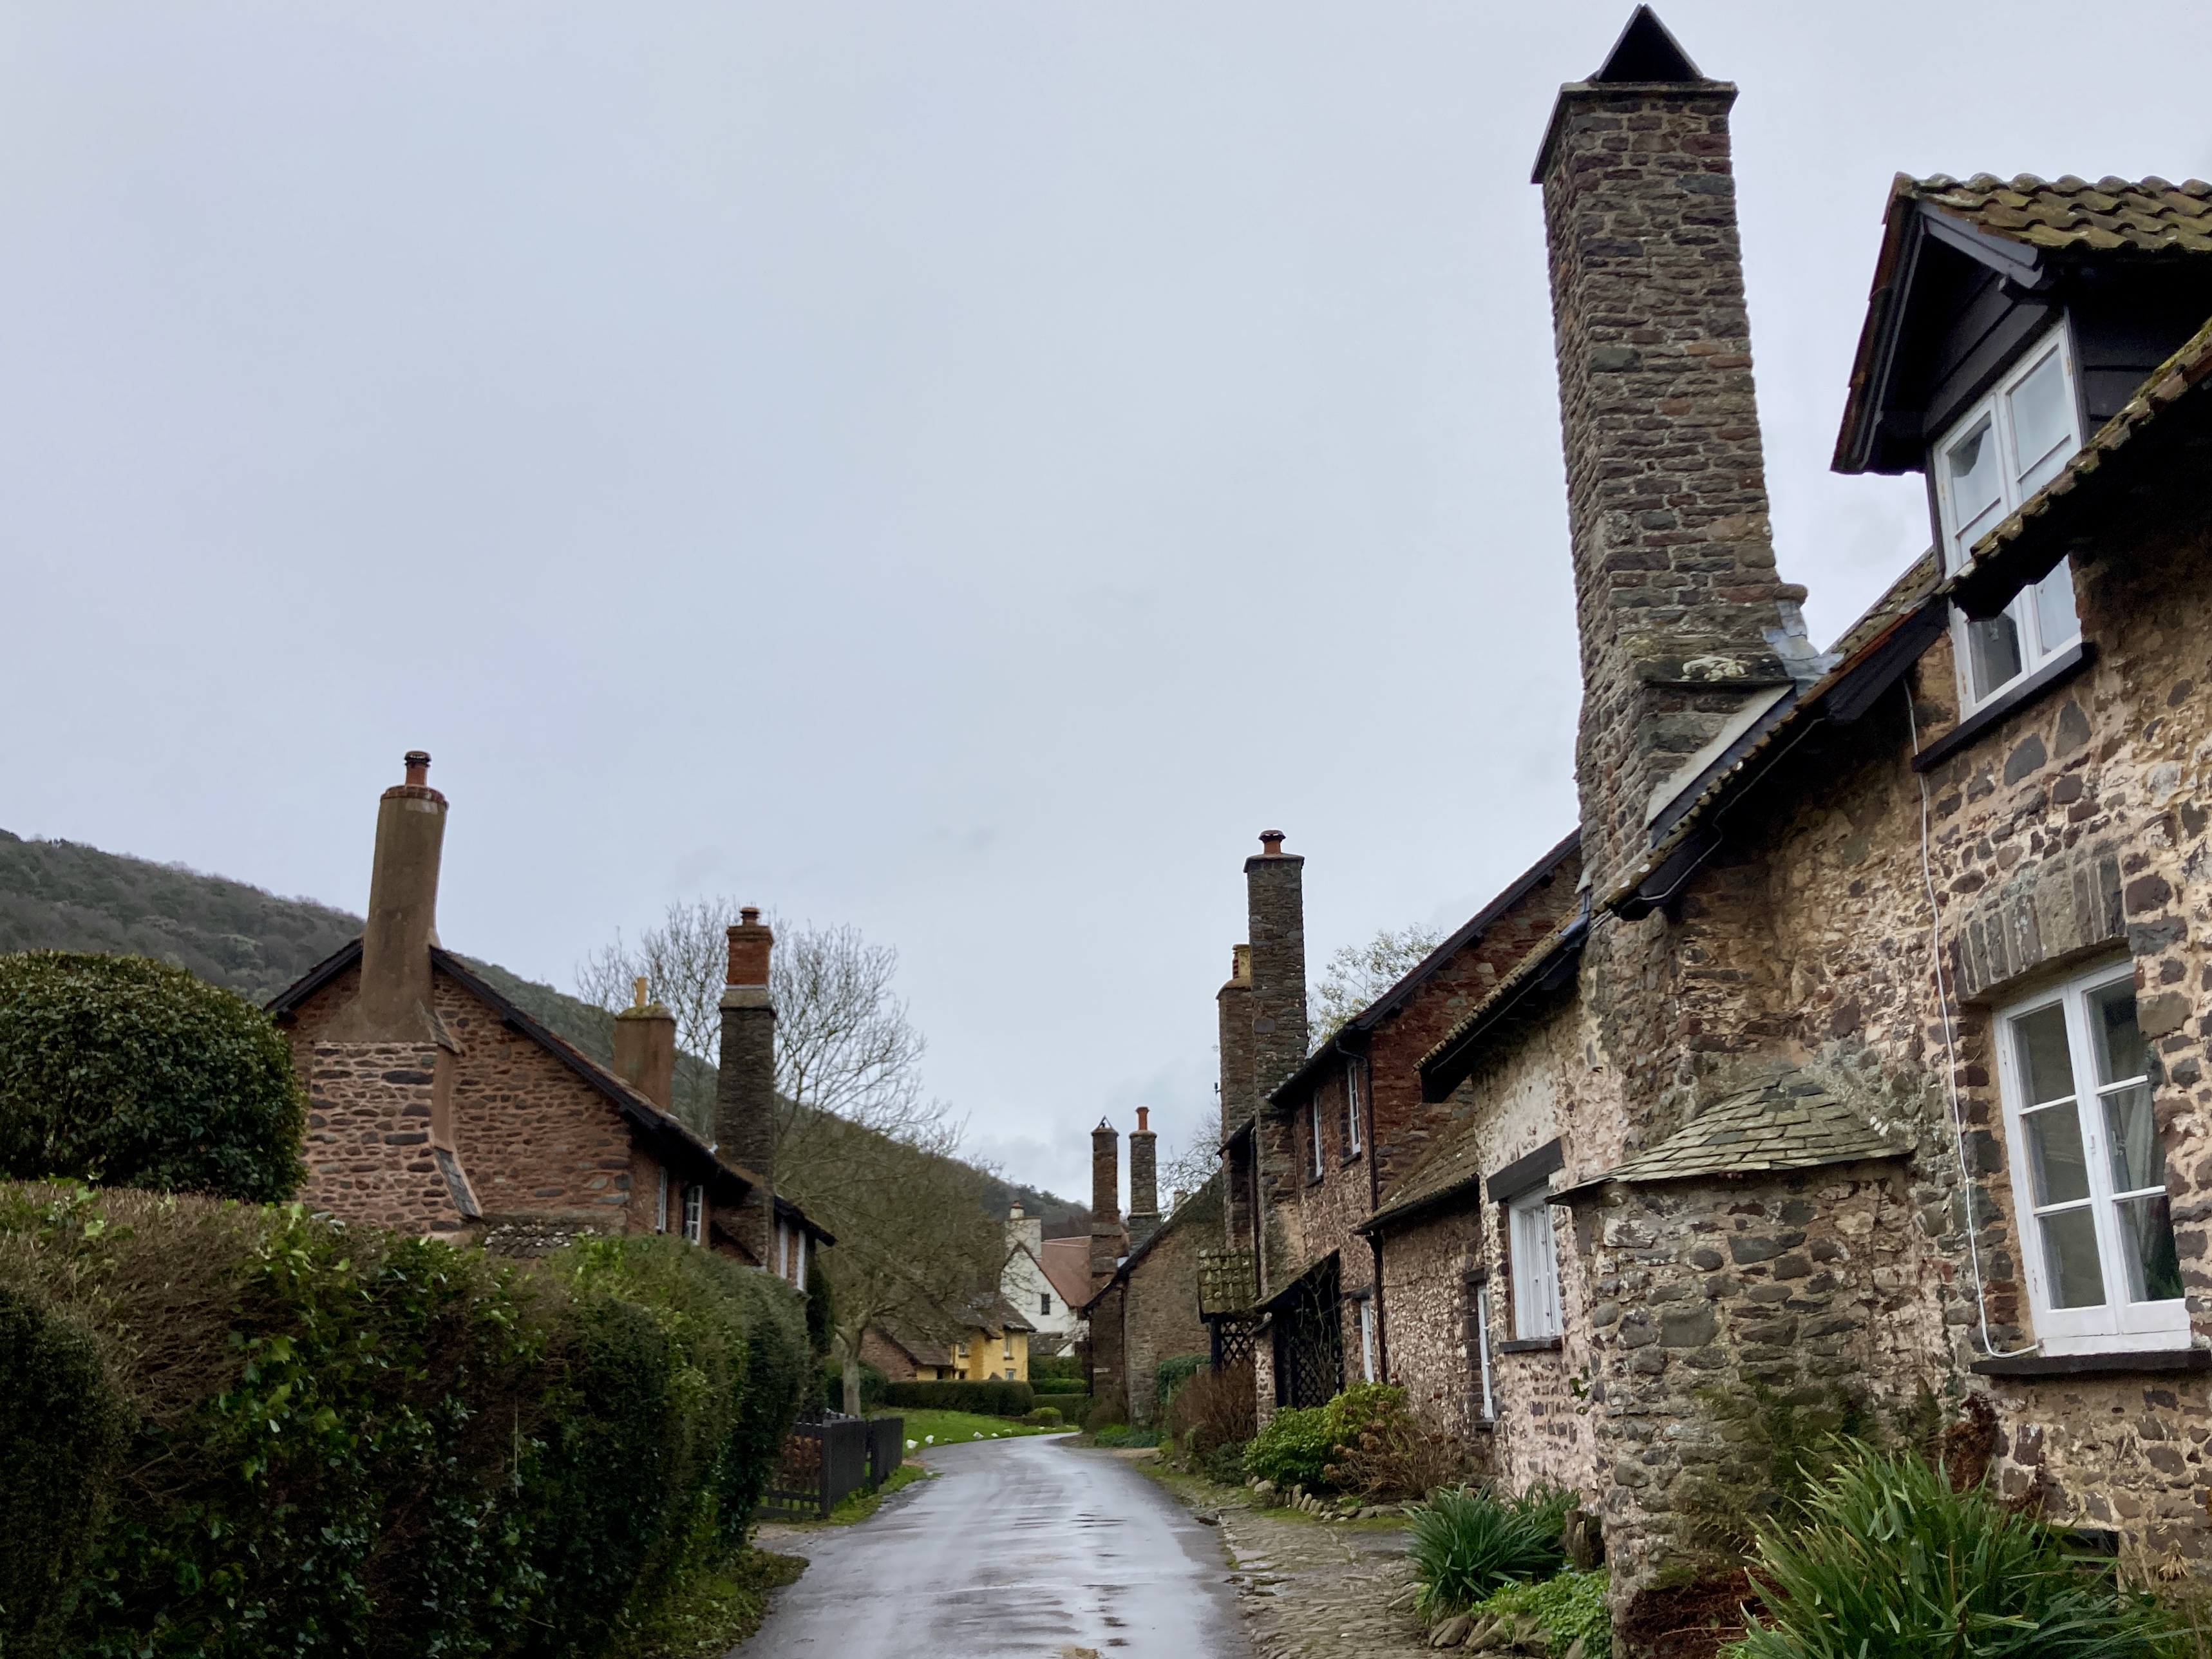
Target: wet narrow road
{"type": "Point", "coordinates": [1031, 1546]}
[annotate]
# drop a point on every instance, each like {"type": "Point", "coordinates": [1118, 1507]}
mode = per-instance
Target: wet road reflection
{"type": "Point", "coordinates": [1030, 1547]}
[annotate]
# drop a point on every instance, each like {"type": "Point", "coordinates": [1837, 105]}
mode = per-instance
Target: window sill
{"type": "Point", "coordinates": [2123, 1362]}
{"type": "Point", "coordinates": [1351, 1158]}
{"type": "Point", "coordinates": [2060, 669]}
{"type": "Point", "coordinates": [1314, 1177]}
{"type": "Point", "coordinates": [1532, 1344]}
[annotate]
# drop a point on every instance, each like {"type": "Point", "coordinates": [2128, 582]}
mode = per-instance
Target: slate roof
{"type": "Point", "coordinates": [2014, 553]}
{"type": "Point", "coordinates": [1791, 1123]}
{"type": "Point", "coordinates": [1226, 1281]}
{"type": "Point", "coordinates": [1451, 1168]}
{"type": "Point", "coordinates": [1324, 1058]}
{"type": "Point", "coordinates": [2147, 215]}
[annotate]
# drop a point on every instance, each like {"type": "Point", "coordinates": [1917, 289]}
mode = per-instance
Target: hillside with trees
{"type": "Point", "coordinates": [63, 896]}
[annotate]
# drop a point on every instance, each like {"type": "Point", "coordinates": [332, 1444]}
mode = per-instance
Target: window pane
{"type": "Point", "coordinates": [2069, 1259]}
{"type": "Point", "coordinates": [1971, 464]}
{"type": "Point", "coordinates": [2056, 624]}
{"type": "Point", "coordinates": [2138, 1161]}
{"type": "Point", "coordinates": [2046, 1060]}
{"type": "Point", "coordinates": [2154, 1265]}
{"type": "Point", "coordinates": [2120, 1053]}
{"type": "Point", "coordinates": [2042, 424]}
{"type": "Point", "coordinates": [2054, 1139]}
{"type": "Point", "coordinates": [1993, 649]}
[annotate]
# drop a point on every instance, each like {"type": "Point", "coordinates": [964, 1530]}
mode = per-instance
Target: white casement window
{"type": "Point", "coordinates": [800, 1251]}
{"type": "Point", "coordinates": [2001, 452]}
{"type": "Point", "coordinates": [695, 1212]}
{"type": "Point", "coordinates": [1355, 1134]}
{"type": "Point", "coordinates": [2088, 1174]}
{"type": "Point", "coordinates": [1367, 1338]}
{"type": "Point", "coordinates": [1044, 1301]}
{"type": "Point", "coordinates": [782, 1248]}
{"type": "Point", "coordinates": [660, 1206]}
{"type": "Point", "coordinates": [1535, 1267]}
{"type": "Point", "coordinates": [1313, 1131]}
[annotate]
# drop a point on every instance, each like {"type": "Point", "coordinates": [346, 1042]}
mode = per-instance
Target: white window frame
{"type": "Point", "coordinates": [1535, 1264]}
{"type": "Point", "coordinates": [1313, 1125]}
{"type": "Point", "coordinates": [2038, 644]}
{"type": "Point", "coordinates": [695, 1212]}
{"type": "Point", "coordinates": [660, 1204]}
{"type": "Point", "coordinates": [1355, 1136]}
{"type": "Point", "coordinates": [799, 1251]}
{"type": "Point", "coordinates": [1367, 1339]}
{"type": "Point", "coordinates": [2119, 1325]}
{"type": "Point", "coordinates": [782, 1247]}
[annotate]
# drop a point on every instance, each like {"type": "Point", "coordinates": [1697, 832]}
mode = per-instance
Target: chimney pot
{"type": "Point", "coordinates": [417, 762]}
{"type": "Point", "coordinates": [1143, 1112]}
{"type": "Point", "coordinates": [1270, 842]}
{"type": "Point", "coordinates": [638, 996]}
{"type": "Point", "coordinates": [750, 943]}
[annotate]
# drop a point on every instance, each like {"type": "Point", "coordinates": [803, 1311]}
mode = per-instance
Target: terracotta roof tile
{"type": "Point", "coordinates": [2149, 214]}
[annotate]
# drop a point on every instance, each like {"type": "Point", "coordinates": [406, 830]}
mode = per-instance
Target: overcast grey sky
{"type": "Point", "coordinates": [960, 469]}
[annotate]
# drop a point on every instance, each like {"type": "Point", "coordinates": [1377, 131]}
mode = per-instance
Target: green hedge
{"type": "Point", "coordinates": [341, 1443]}
{"type": "Point", "coordinates": [120, 1070]}
{"type": "Point", "coordinates": [1059, 1385]}
{"type": "Point", "coordinates": [998, 1398]}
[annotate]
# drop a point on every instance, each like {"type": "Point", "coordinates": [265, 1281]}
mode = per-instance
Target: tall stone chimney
{"type": "Point", "coordinates": [1234, 1002]}
{"type": "Point", "coordinates": [1275, 905]}
{"type": "Point", "coordinates": [1683, 618]}
{"type": "Point", "coordinates": [645, 1049]}
{"type": "Point", "coordinates": [395, 999]}
{"type": "Point", "coordinates": [745, 1082]}
{"type": "Point", "coordinates": [1143, 1179]}
{"type": "Point", "coordinates": [1106, 1235]}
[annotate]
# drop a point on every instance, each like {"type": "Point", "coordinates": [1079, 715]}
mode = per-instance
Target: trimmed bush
{"type": "Point", "coordinates": [1044, 1417]}
{"type": "Point", "coordinates": [342, 1443]}
{"type": "Point", "coordinates": [121, 1070]}
{"type": "Point", "coordinates": [62, 1424]}
{"type": "Point", "coordinates": [1293, 1448]}
{"type": "Point", "coordinates": [989, 1398]}
{"type": "Point", "coordinates": [1889, 1562]}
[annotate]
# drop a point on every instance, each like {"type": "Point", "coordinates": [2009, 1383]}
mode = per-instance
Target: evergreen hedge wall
{"type": "Point", "coordinates": [231, 1431]}
{"type": "Point", "coordinates": [121, 1070]}
{"type": "Point", "coordinates": [998, 1398]}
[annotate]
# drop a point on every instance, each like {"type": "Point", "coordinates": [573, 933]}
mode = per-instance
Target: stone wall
{"type": "Point", "coordinates": [367, 1151]}
{"type": "Point", "coordinates": [1542, 1086]}
{"type": "Point", "coordinates": [1160, 1307]}
{"type": "Point", "coordinates": [1802, 1285]}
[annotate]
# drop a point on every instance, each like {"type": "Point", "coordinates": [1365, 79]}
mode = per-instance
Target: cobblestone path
{"type": "Point", "coordinates": [1318, 1590]}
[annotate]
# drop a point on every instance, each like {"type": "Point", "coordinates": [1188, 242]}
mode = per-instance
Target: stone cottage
{"type": "Point", "coordinates": [437, 1106]}
{"type": "Point", "coordinates": [1144, 1306]}
{"type": "Point", "coordinates": [1866, 1061]}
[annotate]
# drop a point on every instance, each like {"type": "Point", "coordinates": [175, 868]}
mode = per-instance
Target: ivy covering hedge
{"type": "Point", "coordinates": [125, 1070]}
{"type": "Point", "coordinates": [258, 1432]}
{"type": "Point", "coordinates": [991, 1398]}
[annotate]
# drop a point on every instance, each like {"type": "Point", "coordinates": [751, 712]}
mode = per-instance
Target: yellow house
{"type": "Point", "coordinates": [993, 1344]}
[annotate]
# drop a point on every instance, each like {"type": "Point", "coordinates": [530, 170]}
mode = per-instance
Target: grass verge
{"type": "Point", "coordinates": [926, 1430]}
{"type": "Point", "coordinates": [716, 1610]}
{"type": "Point", "coordinates": [859, 1505]}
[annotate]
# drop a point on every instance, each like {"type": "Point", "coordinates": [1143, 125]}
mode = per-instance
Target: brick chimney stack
{"type": "Point", "coordinates": [1234, 1001]}
{"type": "Point", "coordinates": [395, 999]}
{"type": "Point", "coordinates": [1144, 1178]}
{"type": "Point", "coordinates": [1275, 905]}
{"type": "Point", "coordinates": [1106, 1235]}
{"type": "Point", "coordinates": [1683, 618]}
{"type": "Point", "coordinates": [645, 1049]}
{"type": "Point", "coordinates": [744, 1083]}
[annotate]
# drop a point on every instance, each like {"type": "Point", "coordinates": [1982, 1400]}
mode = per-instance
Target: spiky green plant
{"type": "Point", "coordinates": [1887, 1562]}
{"type": "Point", "coordinates": [1469, 1542]}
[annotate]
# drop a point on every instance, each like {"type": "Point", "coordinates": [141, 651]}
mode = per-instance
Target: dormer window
{"type": "Point", "coordinates": [2001, 450]}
